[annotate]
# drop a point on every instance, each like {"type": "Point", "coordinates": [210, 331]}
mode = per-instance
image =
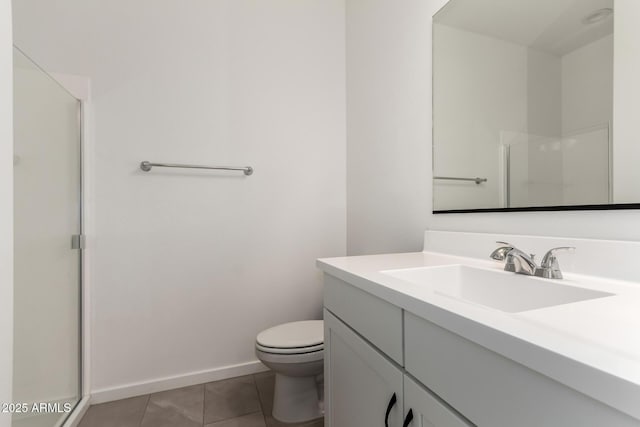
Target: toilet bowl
{"type": "Point", "coordinates": [295, 352]}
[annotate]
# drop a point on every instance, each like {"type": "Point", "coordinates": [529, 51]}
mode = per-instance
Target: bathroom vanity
{"type": "Point", "coordinates": [440, 340]}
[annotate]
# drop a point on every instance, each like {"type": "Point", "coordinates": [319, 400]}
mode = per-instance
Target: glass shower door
{"type": "Point", "coordinates": [47, 212]}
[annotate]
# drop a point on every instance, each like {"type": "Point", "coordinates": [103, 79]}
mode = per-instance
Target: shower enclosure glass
{"type": "Point", "coordinates": [47, 200]}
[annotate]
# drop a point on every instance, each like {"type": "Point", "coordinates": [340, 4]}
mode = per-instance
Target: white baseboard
{"type": "Point", "coordinates": [162, 384]}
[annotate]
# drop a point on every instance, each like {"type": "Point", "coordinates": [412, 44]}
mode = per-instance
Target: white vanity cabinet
{"type": "Point", "coordinates": [364, 387]}
{"type": "Point", "coordinates": [375, 349]}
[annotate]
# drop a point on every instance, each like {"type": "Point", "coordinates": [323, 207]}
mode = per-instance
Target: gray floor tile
{"type": "Point", "coordinates": [252, 420]}
{"type": "Point", "coordinates": [121, 413]}
{"type": "Point", "coordinates": [230, 403]}
{"type": "Point", "coordinates": [265, 382]}
{"type": "Point", "coordinates": [182, 407]}
{"type": "Point", "coordinates": [230, 399]}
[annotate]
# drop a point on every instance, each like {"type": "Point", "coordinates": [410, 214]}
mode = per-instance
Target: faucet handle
{"type": "Point", "coordinates": [550, 269]}
{"type": "Point", "coordinates": [549, 260]}
{"type": "Point", "coordinates": [500, 254]}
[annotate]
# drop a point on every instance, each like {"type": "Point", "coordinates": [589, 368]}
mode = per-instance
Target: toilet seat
{"type": "Point", "coordinates": [294, 350]}
{"type": "Point", "coordinates": [290, 358]}
{"type": "Point", "coordinates": [295, 337]}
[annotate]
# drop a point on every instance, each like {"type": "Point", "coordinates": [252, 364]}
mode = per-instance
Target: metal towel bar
{"type": "Point", "coordinates": [451, 178]}
{"type": "Point", "coordinates": [146, 166]}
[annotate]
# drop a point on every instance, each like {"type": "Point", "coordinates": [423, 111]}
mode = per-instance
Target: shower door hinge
{"type": "Point", "coordinates": [77, 241]}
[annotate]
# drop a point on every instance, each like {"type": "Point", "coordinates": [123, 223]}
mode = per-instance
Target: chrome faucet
{"type": "Point", "coordinates": [515, 260]}
{"type": "Point", "coordinates": [519, 262]}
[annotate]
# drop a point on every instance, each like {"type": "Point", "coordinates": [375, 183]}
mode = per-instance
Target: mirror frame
{"type": "Point", "coordinates": [613, 206]}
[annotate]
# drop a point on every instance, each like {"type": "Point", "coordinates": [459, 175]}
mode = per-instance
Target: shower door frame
{"type": "Point", "coordinates": [80, 408]}
{"type": "Point", "coordinates": [82, 95]}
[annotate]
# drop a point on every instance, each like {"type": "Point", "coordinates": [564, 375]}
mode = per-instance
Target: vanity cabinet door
{"type": "Point", "coordinates": [422, 409]}
{"type": "Point", "coordinates": [360, 383]}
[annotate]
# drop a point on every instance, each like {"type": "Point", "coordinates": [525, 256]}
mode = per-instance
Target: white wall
{"type": "Point", "coordinates": [587, 76]}
{"type": "Point", "coordinates": [544, 93]}
{"type": "Point", "coordinates": [190, 265]}
{"type": "Point", "coordinates": [587, 113]}
{"type": "Point", "coordinates": [389, 124]}
{"type": "Point", "coordinates": [485, 70]}
{"type": "Point", "coordinates": [378, 233]}
{"type": "Point", "coordinates": [6, 209]}
{"type": "Point", "coordinates": [544, 117]}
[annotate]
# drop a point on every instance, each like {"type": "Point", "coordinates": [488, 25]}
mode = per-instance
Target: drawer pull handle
{"type": "Point", "coordinates": [408, 418]}
{"type": "Point", "coordinates": [392, 402]}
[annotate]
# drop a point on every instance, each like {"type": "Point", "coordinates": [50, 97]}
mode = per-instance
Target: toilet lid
{"type": "Point", "coordinates": [308, 333]}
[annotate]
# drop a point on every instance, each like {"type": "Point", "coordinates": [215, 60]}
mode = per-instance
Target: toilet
{"type": "Point", "coordinates": [295, 352]}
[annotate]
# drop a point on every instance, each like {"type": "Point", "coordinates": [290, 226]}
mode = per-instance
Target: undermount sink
{"type": "Point", "coordinates": [504, 291]}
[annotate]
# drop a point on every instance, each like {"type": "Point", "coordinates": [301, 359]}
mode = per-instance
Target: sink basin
{"type": "Point", "coordinates": [501, 290]}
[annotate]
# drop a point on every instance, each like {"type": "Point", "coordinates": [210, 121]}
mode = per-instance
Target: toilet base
{"type": "Point", "coordinates": [295, 399]}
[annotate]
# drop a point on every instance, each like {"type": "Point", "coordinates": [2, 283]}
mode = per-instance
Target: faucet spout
{"type": "Point", "coordinates": [500, 254]}
{"type": "Point", "coordinates": [521, 263]}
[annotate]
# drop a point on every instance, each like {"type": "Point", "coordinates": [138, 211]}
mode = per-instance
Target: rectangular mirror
{"type": "Point", "coordinates": [523, 105]}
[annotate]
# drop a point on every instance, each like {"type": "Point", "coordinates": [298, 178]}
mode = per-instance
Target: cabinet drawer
{"type": "Point", "coordinates": [376, 320]}
{"type": "Point", "coordinates": [493, 391]}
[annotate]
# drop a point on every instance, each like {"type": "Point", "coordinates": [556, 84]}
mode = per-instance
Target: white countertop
{"type": "Point", "coordinates": [592, 346]}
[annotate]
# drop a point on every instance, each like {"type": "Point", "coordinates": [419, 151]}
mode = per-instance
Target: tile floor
{"type": "Point", "coordinates": [237, 402]}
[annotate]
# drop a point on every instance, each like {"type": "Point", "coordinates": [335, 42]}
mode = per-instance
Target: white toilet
{"type": "Point", "coordinates": [295, 352]}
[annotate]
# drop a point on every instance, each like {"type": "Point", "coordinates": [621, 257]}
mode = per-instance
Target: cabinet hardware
{"type": "Point", "coordinates": [392, 402]}
{"type": "Point", "coordinates": [408, 418]}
